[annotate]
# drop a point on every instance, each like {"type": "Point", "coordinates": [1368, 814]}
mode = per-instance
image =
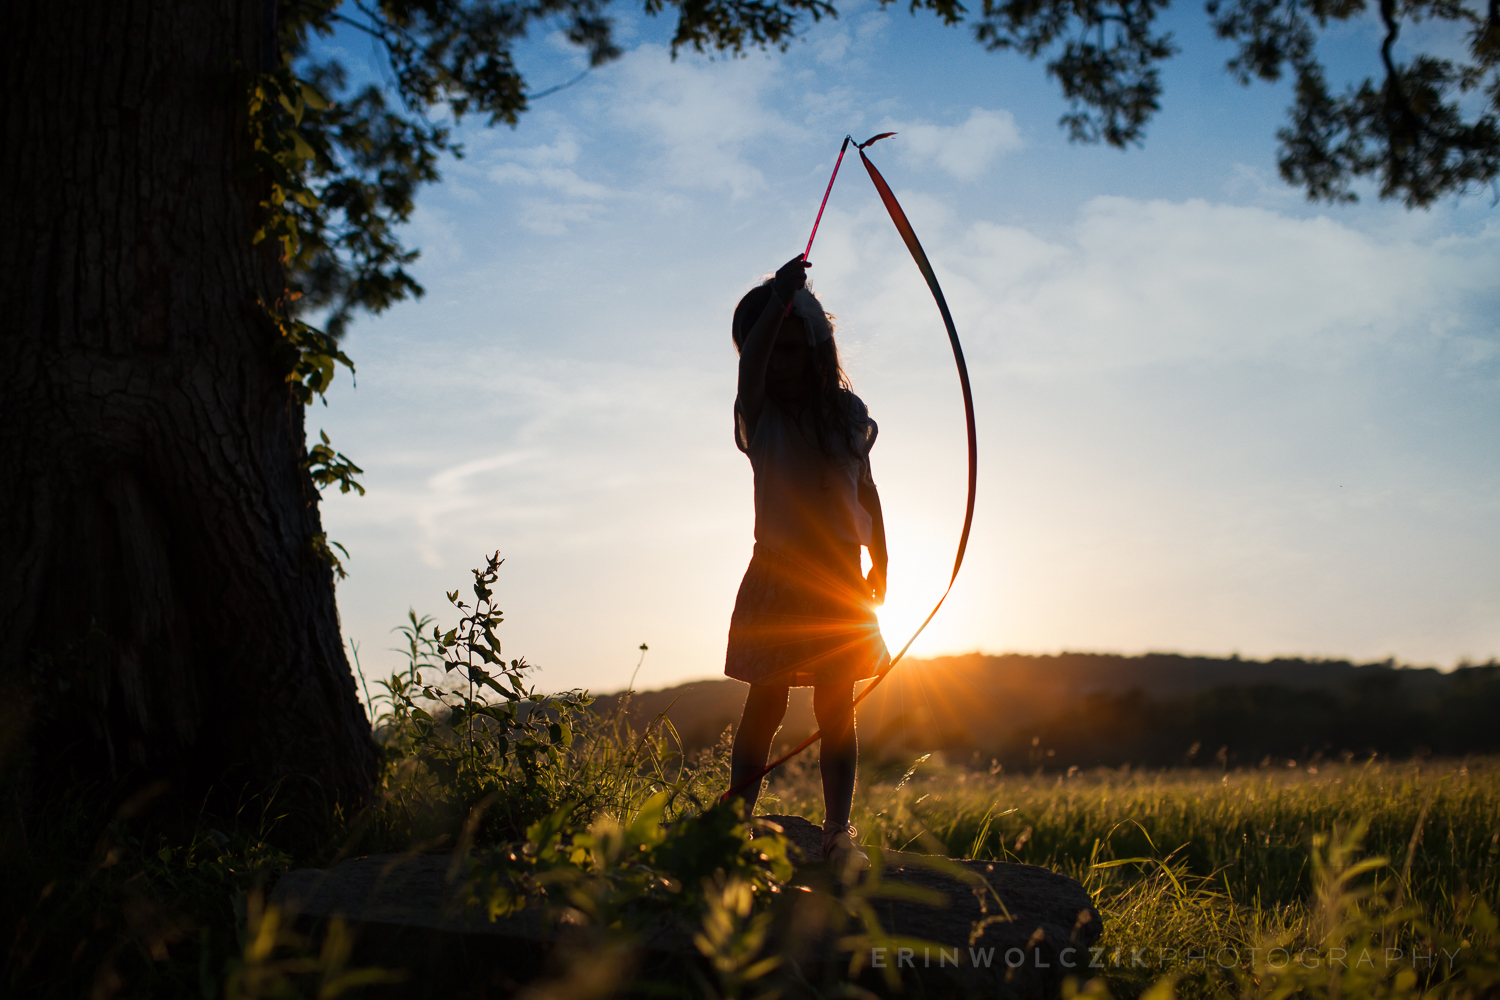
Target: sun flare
{"type": "Point", "coordinates": [916, 583]}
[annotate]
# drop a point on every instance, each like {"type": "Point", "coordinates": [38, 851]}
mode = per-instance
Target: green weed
{"type": "Point", "coordinates": [1261, 883]}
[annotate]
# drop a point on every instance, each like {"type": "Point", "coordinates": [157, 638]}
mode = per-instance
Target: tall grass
{"type": "Point", "coordinates": [1192, 862]}
{"type": "Point", "coordinates": [552, 805]}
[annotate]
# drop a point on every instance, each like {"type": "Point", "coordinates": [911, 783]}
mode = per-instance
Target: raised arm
{"type": "Point", "coordinates": [755, 350]}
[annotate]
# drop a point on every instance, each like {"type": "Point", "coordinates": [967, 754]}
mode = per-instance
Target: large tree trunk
{"type": "Point", "coordinates": [163, 613]}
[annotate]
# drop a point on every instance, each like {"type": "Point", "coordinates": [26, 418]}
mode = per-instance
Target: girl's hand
{"type": "Point", "coordinates": [790, 277]}
{"type": "Point", "coordinates": [755, 351]}
{"type": "Point", "coordinates": [875, 581]}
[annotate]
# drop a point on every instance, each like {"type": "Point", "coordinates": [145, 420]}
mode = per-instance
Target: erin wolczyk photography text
{"type": "Point", "coordinates": [1161, 958]}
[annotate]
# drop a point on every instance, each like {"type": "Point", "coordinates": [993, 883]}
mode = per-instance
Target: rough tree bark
{"type": "Point", "coordinates": [162, 611]}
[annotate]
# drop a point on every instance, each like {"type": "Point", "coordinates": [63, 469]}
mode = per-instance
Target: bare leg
{"type": "Point", "coordinates": [765, 706]}
{"type": "Point", "coordinates": [833, 704]}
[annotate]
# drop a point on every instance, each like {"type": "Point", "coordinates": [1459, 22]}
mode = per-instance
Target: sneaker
{"type": "Point", "coordinates": [842, 850]}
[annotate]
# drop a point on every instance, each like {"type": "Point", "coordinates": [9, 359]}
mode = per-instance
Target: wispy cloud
{"type": "Point", "coordinates": [1146, 283]}
{"type": "Point", "coordinates": [965, 150]}
{"type": "Point", "coordinates": [455, 477]}
{"type": "Point", "coordinates": [698, 117]}
{"type": "Point", "coordinates": [548, 166]}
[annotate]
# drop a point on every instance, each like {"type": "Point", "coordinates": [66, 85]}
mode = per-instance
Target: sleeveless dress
{"type": "Point", "coordinates": [802, 615]}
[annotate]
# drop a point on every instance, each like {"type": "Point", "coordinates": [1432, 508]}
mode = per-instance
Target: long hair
{"type": "Point", "coordinates": [826, 385]}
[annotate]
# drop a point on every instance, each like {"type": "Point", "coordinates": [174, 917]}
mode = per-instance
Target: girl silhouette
{"type": "Point", "coordinates": [805, 614]}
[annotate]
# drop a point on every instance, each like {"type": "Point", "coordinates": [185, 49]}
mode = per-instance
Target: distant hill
{"type": "Point", "coordinates": [1089, 709]}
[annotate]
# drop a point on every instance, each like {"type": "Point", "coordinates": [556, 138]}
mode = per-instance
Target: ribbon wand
{"type": "Point", "coordinates": [860, 146]}
{"type": "Point", "coordinates": [828, 191]}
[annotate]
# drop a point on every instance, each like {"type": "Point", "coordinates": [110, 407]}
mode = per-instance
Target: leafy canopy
{"type": "Point", "coordinates": [347, 163]}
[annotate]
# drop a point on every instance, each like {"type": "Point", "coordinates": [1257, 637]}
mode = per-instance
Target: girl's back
{"type": "Point", "coordinates": [807, 476]}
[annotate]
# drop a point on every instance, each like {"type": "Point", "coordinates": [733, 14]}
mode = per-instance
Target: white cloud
{"type": "Point", "coordinates": [700, 116]}
{"type": "Point", "coordinates": [551, 218]}
{"type": "Point", "coordinates": [434, 231]}
{"type": "Point", "coordinates": [965, 150]}
{"type": "Point", "coordinates": [546, 166]}
{"type": "Point", "coordinates": [563, 151]}
{"type": "Point", "coordinates": [1260, 185]}
{"type": "Point", "coordinates": [1137, 283]}
{"type": "Point", "coordinates": [832, 48]}
{"type": "Point", "coordinates": [453, 477]}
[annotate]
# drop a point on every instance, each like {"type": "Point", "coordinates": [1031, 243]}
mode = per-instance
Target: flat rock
{"type": "Point", "coordinates": [1002, 930]}
{"type": "Point", "coordinates": [1039, 933]}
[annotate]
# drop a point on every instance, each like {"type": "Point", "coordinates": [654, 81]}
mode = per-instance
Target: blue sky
{"type": "Point", "coordinates": [1212, 417]}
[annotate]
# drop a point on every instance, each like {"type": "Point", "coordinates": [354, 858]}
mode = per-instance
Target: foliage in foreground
{"type": "Point", "coordinates": [1366, 879]}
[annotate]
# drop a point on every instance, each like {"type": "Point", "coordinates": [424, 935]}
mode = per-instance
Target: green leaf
{"type": "Point", "coordinates": [312, 96]}
{"type": "Point", "coordinates": [1483, 918]}
{"type": "Point", "coordinates": [300, 147]}
{"type": "Point", "coordinates": [647, 826]}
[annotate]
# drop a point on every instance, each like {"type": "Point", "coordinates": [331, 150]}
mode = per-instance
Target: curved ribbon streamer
{"type": "Point", "coordinates": [909, 236]}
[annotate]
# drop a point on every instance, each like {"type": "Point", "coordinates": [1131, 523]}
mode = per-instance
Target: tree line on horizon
{"type": "Point", "coordinates": [1085, 710]}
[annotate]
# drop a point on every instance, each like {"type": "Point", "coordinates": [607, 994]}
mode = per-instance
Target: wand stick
{"type": "Point", "coordinates": [827, 191]}
{"type": "Point", "coordinates": [847, 139]}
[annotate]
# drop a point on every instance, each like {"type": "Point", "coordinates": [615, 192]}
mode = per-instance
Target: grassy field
{"type": "Point", "coordinates": [1191, 862]}
{"type": "Point", "coordinates": [1354, 879]}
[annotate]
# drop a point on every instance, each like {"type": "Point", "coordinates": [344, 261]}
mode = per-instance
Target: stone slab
{"type": "Point", "coordinates": [409, 912]}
